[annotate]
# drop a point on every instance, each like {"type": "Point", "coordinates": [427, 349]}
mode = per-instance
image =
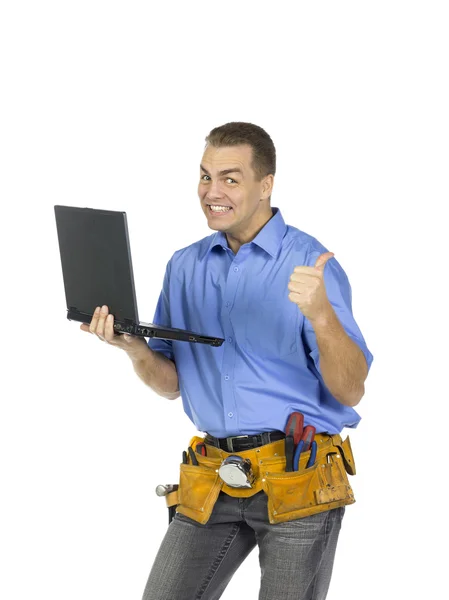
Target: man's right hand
{"type": "Point", "coordinates": [102, 325]}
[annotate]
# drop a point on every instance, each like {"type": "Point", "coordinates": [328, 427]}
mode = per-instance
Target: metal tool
{"type": "Point", "coordinates": [184, 457]}
{"type": "Point", "coordinates": [163, 490]}
{"type": "Point", "coordinates": [237, 472]}
{"type": "Point", "coordinates": [328, 457]}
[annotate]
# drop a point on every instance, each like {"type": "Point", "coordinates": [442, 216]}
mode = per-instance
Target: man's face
{"type": "Point", "coordinates": [228, 180]}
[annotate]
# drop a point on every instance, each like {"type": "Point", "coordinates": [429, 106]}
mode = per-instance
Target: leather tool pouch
{"type": "Point", "coordinates": [199, 486]}
{"type": "Point", "coordinates": [291, 495]}
{"type": "Point", "coordinates": [321, 487]}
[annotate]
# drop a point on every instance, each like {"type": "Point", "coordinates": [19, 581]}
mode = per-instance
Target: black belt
{"type": "Point", "coordinates": [237, 443]}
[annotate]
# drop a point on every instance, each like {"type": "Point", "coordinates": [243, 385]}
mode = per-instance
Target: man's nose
{"type": "Point", "coordinates": [214, 190]}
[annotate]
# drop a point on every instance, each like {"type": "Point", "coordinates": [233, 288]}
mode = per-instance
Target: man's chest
{"type": "Point", "coordinates": [245, 302]}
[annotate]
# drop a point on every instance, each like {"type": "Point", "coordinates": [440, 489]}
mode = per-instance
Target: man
{"type": "Point", "coordinates": [283, 305]}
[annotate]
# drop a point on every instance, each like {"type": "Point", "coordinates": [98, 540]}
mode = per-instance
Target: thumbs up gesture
{"type": "Point", "coordinates": [307, 288]}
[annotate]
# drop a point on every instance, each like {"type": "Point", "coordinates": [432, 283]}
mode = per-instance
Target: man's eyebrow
{"type": "Point", "coordinates": [225, 171]}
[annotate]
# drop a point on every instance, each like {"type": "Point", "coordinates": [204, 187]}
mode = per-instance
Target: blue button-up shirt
{"type": "Point", "coordinates": [269, 364]}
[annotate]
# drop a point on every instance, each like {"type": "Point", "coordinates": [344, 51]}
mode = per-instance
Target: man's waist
{"type": "Point", "coordinates": [237, 443]}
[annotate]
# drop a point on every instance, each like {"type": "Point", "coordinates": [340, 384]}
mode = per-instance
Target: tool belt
{"type": "Point", "coordinates": [291, 495]}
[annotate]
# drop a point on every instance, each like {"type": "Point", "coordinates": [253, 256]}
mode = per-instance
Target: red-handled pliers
{"type": "Point", "coordinates": [304, 444]}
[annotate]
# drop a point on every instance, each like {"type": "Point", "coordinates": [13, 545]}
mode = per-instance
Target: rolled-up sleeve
{"type": "Point", "coordinates": [162, 317]}
{"type": "Point", "coordinates": [339, 293]}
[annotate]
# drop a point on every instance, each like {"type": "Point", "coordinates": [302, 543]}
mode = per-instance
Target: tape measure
{"type": "Point", "coordinates": [237, 472]}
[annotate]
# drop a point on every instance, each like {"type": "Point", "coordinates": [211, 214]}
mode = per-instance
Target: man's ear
{"type": "Point", "coordinates": [267, 186]}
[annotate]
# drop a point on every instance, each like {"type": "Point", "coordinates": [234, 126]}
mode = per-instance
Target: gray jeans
{"type": "Point", "coordinates": [196, 562]}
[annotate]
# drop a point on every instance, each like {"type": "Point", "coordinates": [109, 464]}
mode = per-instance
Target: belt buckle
{"type": "Point", "coordinates": [229, 441]}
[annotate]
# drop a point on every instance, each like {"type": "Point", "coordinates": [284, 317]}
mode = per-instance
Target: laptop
{"type": "Point", "coordinates": [97, 270]}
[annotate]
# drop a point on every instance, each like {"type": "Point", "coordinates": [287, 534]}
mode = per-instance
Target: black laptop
{"type": "Point", "coordinates": [97, 270]}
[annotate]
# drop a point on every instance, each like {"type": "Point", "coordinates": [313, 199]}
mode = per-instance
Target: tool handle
{"type": "Point", "coordinates": [289, 445]}
{"type": "Point", "coordinates": [307, 437]}
{"type": "Point", "coordinates": [295, 426]}
{"type": "Point", "coordinates": [201, 449]}
{"type": "Point", "coordinates": [299, 449]}
{"type": "Point", "coordinates": [312, 457]}
{"type": "Point", "coordinates": [192, 456]}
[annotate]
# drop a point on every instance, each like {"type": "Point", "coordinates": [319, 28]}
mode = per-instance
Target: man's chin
{"type": "Point", "coordinates": [216, 227]}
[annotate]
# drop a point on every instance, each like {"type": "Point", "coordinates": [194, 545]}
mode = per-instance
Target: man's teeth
{"type": "Point", "coordinates": [220, 208]}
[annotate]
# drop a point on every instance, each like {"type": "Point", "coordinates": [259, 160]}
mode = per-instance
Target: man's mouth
{"type": "Point", "coordinates": [217, 209]}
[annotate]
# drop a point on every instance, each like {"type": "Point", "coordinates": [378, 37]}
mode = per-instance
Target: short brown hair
{"type": "Point", "coordinates": [237, 133]}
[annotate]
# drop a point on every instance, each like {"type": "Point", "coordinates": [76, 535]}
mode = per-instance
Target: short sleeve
{"type": "Point", "coordinates": [162, 317]}
{"type": "Point", "coordinates": [339, 293]}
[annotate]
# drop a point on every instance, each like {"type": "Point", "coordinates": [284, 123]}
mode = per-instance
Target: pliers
{"type": "Point", "coordinates": [200, 448]}
{"type": "Point", "coordinates": [293, 432]}
{"type": "Point", "coordinates": [312, 458]}
{"type": "Point", "coordinates": [305, 445]}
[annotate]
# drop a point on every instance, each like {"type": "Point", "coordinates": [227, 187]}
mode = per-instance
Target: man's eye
{"type": "Point", "coordinates": [230, 179]}
{"type": "Point", "coordinates": [204, 177]}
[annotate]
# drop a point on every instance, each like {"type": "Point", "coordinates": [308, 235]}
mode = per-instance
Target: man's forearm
{"type": "Point", "coordinates": [157, 371]}
{"type": "Point", "coordinates": [342, 363]}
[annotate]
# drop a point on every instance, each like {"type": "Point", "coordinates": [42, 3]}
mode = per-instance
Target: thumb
{"type": "Point", "coordinates": [322, 260]}
{"type": "Point", "coordinates": [127, 337]}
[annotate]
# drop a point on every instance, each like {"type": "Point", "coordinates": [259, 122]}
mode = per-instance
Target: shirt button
{"type": "Point", "coordinates": [230, 414]}
{"type": "Point", "coordinates": [226, 377]}
{"type": "Point", "coordinates": [236, 269]}
{"type": "Point", "coordinates": [228, 303]}
{"type": "Point", "coordinates": [230, 340]}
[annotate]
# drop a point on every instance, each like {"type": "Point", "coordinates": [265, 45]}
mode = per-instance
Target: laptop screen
{"type": "Point", "coordinates": [96, 261]}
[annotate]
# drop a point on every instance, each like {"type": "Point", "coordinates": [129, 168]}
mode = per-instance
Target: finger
{"type": "Point", "coordinates": [109, 329]}
{"type": "Point", "coordinates": [85, 327]}
{"type": "Point", "coordinates": [302, 286]}
{"type": "Point", "coordinates": [101, 320]}
{"type": "Point", "coordinates": [305, 270]}
{"type": "Point", "coordinates": [300, 275]}
{"type": "Point", "coordinates": [94, 321]}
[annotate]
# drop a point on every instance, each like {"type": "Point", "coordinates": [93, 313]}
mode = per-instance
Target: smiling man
{"type": "Point", "coordinates": [271, 469]}
{"type": "Point", "coordinates": [234, 196]}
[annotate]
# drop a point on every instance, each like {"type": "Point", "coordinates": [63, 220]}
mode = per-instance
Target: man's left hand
{"type": "Point", "coordinates": [307, 288]}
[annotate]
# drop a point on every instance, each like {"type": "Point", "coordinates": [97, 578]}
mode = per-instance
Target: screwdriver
{"type": "Point", "coordinates": [295, 426]}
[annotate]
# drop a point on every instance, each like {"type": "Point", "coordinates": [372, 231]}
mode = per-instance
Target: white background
{"type": "Point", "coordinates": [106, 105]}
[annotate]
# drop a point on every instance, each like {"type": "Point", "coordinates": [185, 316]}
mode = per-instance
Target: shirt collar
{"type": "Point", "coordinates": [269, 237]}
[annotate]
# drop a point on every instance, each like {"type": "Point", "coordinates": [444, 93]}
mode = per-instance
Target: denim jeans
{"type": "Point", "coordinates": [196, 562]}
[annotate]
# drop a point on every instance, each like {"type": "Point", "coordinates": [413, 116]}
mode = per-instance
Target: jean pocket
{"type": "Point", "coordinates": [271, 328]}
